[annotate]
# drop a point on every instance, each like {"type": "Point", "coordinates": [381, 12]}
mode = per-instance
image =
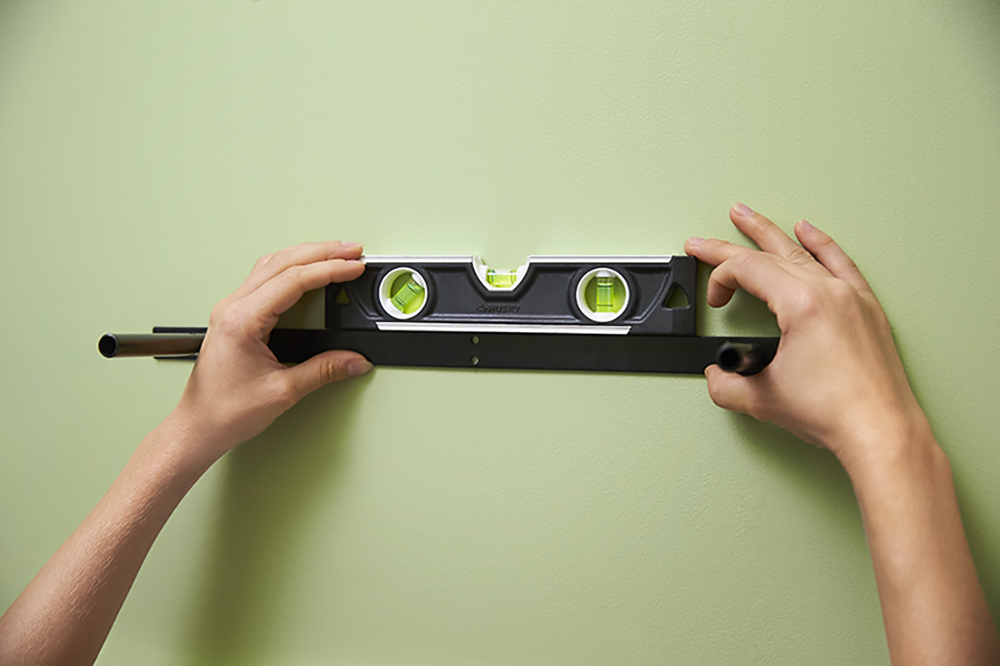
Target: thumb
{"type": "Point", "coordinates": [729, 390]}
{"type": "Point", "coordinates": [326, 368]}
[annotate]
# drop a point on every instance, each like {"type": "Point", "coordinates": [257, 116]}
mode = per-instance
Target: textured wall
{"type": "Point", "coordinates": [150, 151]}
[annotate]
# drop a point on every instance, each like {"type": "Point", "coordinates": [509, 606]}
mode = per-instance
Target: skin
{"type": "Point", "coordinates": [236, 390]}
{"type": "Point", "coordinates": [836, 382]}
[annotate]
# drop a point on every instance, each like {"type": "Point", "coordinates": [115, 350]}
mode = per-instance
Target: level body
{"type": "Point", "coordinates": [613, 295]}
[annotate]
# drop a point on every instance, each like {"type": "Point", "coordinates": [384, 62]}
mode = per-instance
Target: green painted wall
{"type": "Point", "coordinates": [150, 151]}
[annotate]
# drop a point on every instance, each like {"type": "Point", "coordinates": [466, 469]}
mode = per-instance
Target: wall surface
{"type": "Point", "coordinates": [150, 151]}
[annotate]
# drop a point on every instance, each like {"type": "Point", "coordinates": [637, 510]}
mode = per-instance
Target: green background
{"type": "Point", "coordinates": [150, 151]}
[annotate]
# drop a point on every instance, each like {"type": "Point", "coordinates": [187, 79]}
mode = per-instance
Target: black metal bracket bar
{"type": "Point", "coordinates": [518, 351]}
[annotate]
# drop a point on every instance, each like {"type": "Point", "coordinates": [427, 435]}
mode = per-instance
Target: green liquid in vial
{"type": "Point", "coordinates": [502, 280]}
{"type": "Point", "coordinates": [605, 294]}
{"type": "Point", "coordinates": [406, 295]}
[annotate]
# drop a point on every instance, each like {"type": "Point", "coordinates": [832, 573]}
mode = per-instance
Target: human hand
{"type": "Point", "coordinates": [836, 380]}
{"type": "Point", "coordinates": [238, 387]}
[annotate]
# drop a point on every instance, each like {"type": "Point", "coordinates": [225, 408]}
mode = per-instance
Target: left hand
{"type": "Point", "coordinates": [238, 387]}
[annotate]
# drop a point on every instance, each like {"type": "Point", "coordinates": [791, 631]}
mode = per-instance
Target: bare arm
{"type": "Point", "coordinates": [837, 382]}
{"type": "Point", "coordinates": [932, 603]}
{"type": "Point", "coordinates": [237, 388]}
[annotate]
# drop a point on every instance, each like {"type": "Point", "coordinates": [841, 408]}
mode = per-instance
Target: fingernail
{"type": "Point", "coordinates": [806, 226]}
{"type": "Point", "coordinates": [350, 244]}
{"type": "Point", "coordinates": [694, 240]}
{"type": "Point", "coordinates": [743, 210]}
{"type": "Point", "coordinates": [359, 367]}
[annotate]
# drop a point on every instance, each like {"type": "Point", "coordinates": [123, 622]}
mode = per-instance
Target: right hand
{"type": "Point", "coordinates": [836, 380]}
{"type": "Point", "coordinates": [237, 387]}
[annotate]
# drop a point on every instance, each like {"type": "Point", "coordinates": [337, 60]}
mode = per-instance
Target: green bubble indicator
{"type": "Point", "coordinates": [605, 292]}
{"type": "Point", "coordinates": [500, 280]}
{"type": "Point", "coordinates": [408, 294]}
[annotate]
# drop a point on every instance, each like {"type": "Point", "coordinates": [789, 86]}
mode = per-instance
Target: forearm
{"type": "Point", "coordinates": [236, 389]}
{"type": "Point", "coordinates": [66, 612]}
{"type": "Point", "coordinates": [932, 602]}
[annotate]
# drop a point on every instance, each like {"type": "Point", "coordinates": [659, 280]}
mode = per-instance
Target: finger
{"type": "Point", "coordinates": [768, 236]}
{"type": "Point", "coordinates": [281, 292]}
{"type": "Point", "coordinates": [831, 255]}
{"type": "Point", "coordinates": [762, 275]}
{"type": "Point", "coordinates": [325, 368]}
{"type": "Point", "coordinates": [272, 264]}
{"type": "Point", "coordinates": [713, 251]}
{"type": "Point", "coordinates": [729, 390]}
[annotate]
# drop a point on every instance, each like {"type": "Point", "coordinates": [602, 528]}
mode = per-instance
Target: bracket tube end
{"type": "Point", "coordinates": [113, 345]}
{"type": "Point", "coordinates": [108, 345]}
{"type": "Point", "coordinates": [740, 357]}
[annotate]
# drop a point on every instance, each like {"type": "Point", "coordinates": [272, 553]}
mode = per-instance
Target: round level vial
{"type": "Point", "coordinates": [402, 293]}
{"type": "Point", "coordinates": [602, 294]}
{"type": "Point", "coordinates": [406, 294]}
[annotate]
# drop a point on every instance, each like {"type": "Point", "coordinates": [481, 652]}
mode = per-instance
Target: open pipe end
{"type": "Point", "coordinates": [108, 345]}
{"type": "Point", "coordinates": [742, 358]}
{"type": "Point", "coordinates": [730, 358]}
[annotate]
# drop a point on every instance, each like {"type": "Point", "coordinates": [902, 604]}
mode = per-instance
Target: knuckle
{"type": "Point", "coordinates": [808, 301]}
{"type": "Point", "coordinates": [846, 299]}
{"type": "Point", "coordinates": [230, 319]}
{"type": "Point", "coordinates": [330, 371]}
{"type": "Point", "coordinates": [291, 274]}
{"type": "Point", "coordinates": [849, 264]}
{"type": "Point", "coordinates": [829, 248]}
{"type": "Point", "coordinates": [800, 255]}
{"type": "Point", "coordinates": [283, 392]}
{"type": "Point", "coordinates": [827, 243]}
{"type": "Point", "coordinates": [757, 223]}
{"type": "Point", "coordinates": [216, 314]}
{"type": "Point", "coordinates": [263, 261]}
{"type": "Point", "coordinates": [878, 314]}
{"type": "Point", "coordinates": [764, 228]}
{"type": "Point", "coordinates": [843, 292]}
{"type": "Point", "coordinates": [745, 259]}
{"type": "Point", "coordinates": [219, 313]}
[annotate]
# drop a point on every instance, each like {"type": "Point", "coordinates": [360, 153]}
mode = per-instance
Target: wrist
{"type": "Point", "coordinates": [177, 445]}
{"type": "Point", "coordinates": [894, 443]}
